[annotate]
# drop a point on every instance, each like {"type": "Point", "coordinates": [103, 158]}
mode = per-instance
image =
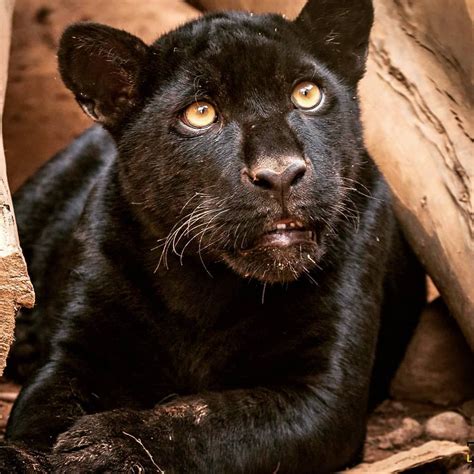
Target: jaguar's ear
{"type": "Point", "coordinates": [105, 68]}
{"type": "Point", "coordinates": [338, 32]}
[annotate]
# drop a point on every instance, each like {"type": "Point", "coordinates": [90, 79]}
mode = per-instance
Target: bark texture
{"type": "Point", "coordinates": [434, 456]}
{"type": "Point", "coordinates": [15, 286]}
{"type": "Point", "coordinates": [417, 109]}
{"type": "Point", "coordinates": [290, 8]}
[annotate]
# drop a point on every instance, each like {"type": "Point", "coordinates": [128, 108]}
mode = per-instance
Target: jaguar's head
{"type": "Point", "coordinates": [239, 134]}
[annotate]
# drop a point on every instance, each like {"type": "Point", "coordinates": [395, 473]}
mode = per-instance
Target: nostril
{"type": "Point", "coordinates": [293, 174]}
{"type": "Point", "coordinates": [298, 174]}
{"type": "Point", "coordinates": [266, 179]}
{"type": "Point", "coordinates": [261, 183]}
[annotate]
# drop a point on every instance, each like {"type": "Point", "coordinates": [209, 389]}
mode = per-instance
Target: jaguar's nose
{"type": "Point", "coordinates": [276, 180]}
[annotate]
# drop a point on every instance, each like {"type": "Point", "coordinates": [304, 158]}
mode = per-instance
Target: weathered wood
{"type": "Point", "coordinates": [286, 7]}
{"type": "Point", "coordinates": [15, 286]}
{"type": "Point", "coordinates": [417, 100]}
{"type": "Point", "coordinates": [434, 456]}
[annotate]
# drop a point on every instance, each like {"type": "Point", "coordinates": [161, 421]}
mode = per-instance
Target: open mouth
{"type": "Point", "coordinates": [284, 233]}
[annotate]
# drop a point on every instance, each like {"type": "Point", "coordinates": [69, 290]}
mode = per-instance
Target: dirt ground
{"type": "Point", "coordinates": [41, 117]}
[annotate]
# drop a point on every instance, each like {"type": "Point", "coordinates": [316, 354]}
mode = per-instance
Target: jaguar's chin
{"type": "Point", "coordinates": [282, 253]}
{"type": "Point", "coordinates": [274, 264]}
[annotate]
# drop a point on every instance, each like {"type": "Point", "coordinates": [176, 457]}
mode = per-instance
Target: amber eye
{"type": "Point", "coordinates": [200, 115]}
{"type": "Point", "coordinates": [306, 95]}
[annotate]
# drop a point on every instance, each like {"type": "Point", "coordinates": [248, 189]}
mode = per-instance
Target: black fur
{"type": "Point", "coordinates": [208, 353]}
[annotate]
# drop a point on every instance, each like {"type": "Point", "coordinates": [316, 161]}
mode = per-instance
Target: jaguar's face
{"type": "Point", "coordinates": [245, 147]}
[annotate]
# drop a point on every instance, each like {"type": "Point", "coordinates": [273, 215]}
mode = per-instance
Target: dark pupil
{"type": "Point", "coordinates": [202, 109]}
{"type": "Point", "coordinates": [306, 90]}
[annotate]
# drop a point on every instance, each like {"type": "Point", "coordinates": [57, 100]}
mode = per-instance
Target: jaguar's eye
{"type": "Point", "coordinates": [199, 115]}
{"type": "Point", "coordinates": [306, 95]}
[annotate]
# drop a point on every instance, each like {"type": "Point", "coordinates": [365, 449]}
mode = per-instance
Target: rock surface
{"type": "Point", "coordinates": [439, 365]}
{"type": "Point", "coordinates": [448, 426]}
{"type": "Point", "coordinates": [409, 431]}
{"type": "Point", "coordinates": [467, 409]}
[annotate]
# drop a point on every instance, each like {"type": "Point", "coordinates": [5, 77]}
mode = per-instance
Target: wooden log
{"type": "Point", "coordinates": [289, 8]}
{"type": "Point", "coordinates": [416, 99]}
{"type": "Point", "coordinates": [434, 456]}
{"type": "Point", "coordinates": [15, 285]}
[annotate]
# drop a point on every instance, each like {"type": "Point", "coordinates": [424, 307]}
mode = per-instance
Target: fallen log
{"type": "Point", "coordinates": [15, 285]}
{"type": "Point", "coordinates": [416, 102]}
{"type": "Point", "coordinates": [285, 7]}
{"type": "Point", "coordinates": [434, 456]}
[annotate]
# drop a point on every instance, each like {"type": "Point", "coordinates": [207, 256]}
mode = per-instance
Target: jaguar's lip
{"type": "Point", "coordinates": [283, 233]}
{"type": "Point", "coordinates": [285, 238]}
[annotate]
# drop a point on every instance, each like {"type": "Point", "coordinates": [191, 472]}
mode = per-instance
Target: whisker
{"type": "Point", "coordinates": [193, 225]}
{"type": "Point", "coordinates": [264, 288]}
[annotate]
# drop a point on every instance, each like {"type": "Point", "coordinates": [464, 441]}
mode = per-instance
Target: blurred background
{"type": "Point", "coordinates": [41, 116]}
